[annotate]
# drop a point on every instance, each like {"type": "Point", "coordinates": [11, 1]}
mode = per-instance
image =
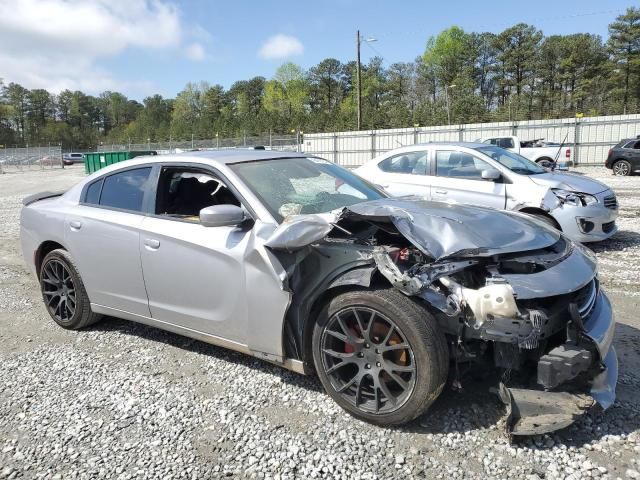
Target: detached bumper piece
{"type": "Point", "coordinates": [533, 412]}
{"type": "Point", "coordinates": [591, 361]}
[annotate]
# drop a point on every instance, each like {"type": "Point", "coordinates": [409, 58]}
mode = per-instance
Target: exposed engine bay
{"type": "Point", "coordinates": [524, 301]}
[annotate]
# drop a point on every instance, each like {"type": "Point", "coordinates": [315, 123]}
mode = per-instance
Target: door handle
{"type": "Point", "coordinates": [75, 225]}
{"type": "Point", "coordinates": [442, 192]}
{"type": "Point", "coordinates": [152, 244]}
{"type": "Point", "coordinates": [382, 186]}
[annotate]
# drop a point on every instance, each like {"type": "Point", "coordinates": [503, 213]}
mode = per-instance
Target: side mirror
{"type": "Point", "coordinates": [491, 174]}
{"type": "Point", "coordinates": [221, 216]}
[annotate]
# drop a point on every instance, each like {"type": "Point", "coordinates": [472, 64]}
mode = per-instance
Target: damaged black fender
{"type": "Point", "coordinates": [314, 274]}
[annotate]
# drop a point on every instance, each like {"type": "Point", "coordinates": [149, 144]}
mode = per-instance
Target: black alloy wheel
{"type": "Point", "coordinates": [368, 359]}
{"type": "Point", "coordinates": [380, 355]}
{"type": "Point", "coordinates": [64, 293]}
{"type": "Point", "coordinates": [58, 290]}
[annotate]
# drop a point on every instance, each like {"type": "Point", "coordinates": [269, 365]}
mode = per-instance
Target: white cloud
{"type": "Point", "coordinates": [57, 44]}
{"type": "Point", "coordinates": [195, 52]}
{"type": "Point", "coordinates": [280, 46]}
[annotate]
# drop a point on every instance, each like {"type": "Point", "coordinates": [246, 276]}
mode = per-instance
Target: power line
{"type": "Point", "coordinates": [375, 50]}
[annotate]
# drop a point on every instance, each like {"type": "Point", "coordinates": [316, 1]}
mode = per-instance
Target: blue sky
{"type": "Point", "coordinates": [142, 47]}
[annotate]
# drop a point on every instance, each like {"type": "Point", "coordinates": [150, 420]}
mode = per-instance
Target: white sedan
{"type": "Point", "coordinates": [486, 175]}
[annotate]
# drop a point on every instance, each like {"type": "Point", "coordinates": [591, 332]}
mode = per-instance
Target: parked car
{"type": "Point", "coordinates": [487, 175]}
{"type": "Point", "coordinates": [546, 154]}
{"type": "Point", "coordinates": [624, 158]}
{"type": "Point", "coordinates": [266, 253]}
{"type": "Point", "coordinates": [71, 158]}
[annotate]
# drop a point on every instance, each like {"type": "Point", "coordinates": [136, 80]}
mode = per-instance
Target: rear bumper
{"type": "Point", "coordinates": [537, 411]}
{"type": "Point", "coordinates": [608, 163]}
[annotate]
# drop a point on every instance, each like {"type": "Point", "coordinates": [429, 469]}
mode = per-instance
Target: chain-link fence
{"type": "Point", "coordinates": [18, 159]}
{"type": "Point", "coordinates": [268, 141]}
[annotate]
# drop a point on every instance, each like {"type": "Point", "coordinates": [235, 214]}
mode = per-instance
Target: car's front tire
{"type": "Point", "coordinates": [622, 168]}
{"type": "Point", "coordinates": [380, 355]}
{"type": "Point", "coordinates": [63, 292]}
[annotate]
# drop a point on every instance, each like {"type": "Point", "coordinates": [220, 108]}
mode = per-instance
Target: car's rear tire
{"type": "Point", "coordinates": [545, 162]}
{"type": "Point", "coordinates": [63, 292]}
{"type": "Point", "coordinates": [621, 168]}
{"type": "Point", "coordinates": [380, 355]}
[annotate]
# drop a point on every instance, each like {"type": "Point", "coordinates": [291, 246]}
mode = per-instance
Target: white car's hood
{"type": "Point", "coordinates": [569, 181]}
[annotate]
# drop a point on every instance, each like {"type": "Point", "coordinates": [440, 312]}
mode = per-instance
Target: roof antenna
{"type": "Point", "coordinates": [555, 160]}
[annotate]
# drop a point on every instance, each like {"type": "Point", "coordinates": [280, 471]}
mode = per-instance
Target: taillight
{"type": "Point", "coordinates": [568, 153]}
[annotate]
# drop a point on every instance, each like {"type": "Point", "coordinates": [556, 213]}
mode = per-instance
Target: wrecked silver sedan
{"type": "Point", "coordinates": [299, 262]}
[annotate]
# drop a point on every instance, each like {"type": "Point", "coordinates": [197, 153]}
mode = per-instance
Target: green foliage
{"type": "Point", "coordinates": [624, 47]}
{"type": "Point", "coordinates": [467, 76]}
{"type": "Point", "coordinates": [448, 55]}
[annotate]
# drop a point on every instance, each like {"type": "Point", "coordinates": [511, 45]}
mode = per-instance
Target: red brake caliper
{"type": "Point", "coordinates": [348, 348]}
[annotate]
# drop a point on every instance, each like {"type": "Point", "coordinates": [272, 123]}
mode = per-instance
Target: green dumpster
{"type": "Point", "coordinates": [94, 161]}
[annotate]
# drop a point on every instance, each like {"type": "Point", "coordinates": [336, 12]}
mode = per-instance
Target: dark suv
{"type": "Point", "coordinates": [624, 158]}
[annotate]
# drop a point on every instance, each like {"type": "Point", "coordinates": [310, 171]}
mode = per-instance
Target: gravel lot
{"type": "Point", "coordinates": [122, 400]}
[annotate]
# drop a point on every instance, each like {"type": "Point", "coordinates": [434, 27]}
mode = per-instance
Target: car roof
{"type": "Point", "coordinates": [232, 156]}
{"type": "Point", "coordinates": [210, 157]}
{"type": "Point", "coordinates": [441, 144]}
{"type": "Point", "coordinates": [457, 144]}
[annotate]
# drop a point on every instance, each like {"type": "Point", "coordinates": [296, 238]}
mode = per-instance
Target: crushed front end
{"type": "Point", "coordinates": [509, 294]}
{"type": "Point", "coordinates": [538, 315]}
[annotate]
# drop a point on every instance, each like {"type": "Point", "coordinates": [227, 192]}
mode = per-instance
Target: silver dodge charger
{"type": "Point", "coordinates": [297, 261]}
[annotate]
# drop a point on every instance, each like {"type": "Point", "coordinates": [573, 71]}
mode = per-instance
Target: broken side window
{"type": "Point", "coordinates": [183, 192]}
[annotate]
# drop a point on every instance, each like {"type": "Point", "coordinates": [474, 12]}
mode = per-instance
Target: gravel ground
{"type": "Point", "coordinates": [122, 400]}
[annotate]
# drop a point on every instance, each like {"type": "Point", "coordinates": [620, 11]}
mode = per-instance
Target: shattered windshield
{"type": "Point", "coordinates": [292, 186]}
{"type": "Point", "coordinates": [514, 162]}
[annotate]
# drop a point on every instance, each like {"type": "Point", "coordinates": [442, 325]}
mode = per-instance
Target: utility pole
{"type": "Point", "coordinates": [359, 88]}
{"type": "Point", "coordinates": [446, 100]}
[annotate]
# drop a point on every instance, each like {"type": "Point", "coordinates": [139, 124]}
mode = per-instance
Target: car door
{"type": "Point", "coordinates": [404, 174]}
{"type": "Point", "coordinates": [102, 234]}
{"type": "Point", "coordinates": [631, 152]}
{"type": "Point", "coordinates": [197, 277]}
{"type": "Point", "coordinates": [458, 178]}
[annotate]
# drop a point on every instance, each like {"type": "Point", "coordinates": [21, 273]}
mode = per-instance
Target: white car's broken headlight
{"type": "Point", "coordinates": [575, 199]}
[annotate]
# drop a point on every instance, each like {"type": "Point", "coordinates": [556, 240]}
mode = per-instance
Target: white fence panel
{"type": "Point", "coordinates": [589, 138]}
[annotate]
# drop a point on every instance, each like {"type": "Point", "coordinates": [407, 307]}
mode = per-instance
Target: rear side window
{"type": "Point", "coordinates": [412, 163]}
{"type": "Point", "coordinates": [635, 144]}
{"type": "Point", "coordinates": [503, 142]}
{"type": "Point", "coordinates": [93, 192]}
{"type": "Point", "coordinates": [125, 190]}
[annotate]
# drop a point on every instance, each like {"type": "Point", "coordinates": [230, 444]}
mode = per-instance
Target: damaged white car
{"type": "Point", "coordinates": [299, 262]}
{"type": "Point", "coordinates": [584, 209]}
